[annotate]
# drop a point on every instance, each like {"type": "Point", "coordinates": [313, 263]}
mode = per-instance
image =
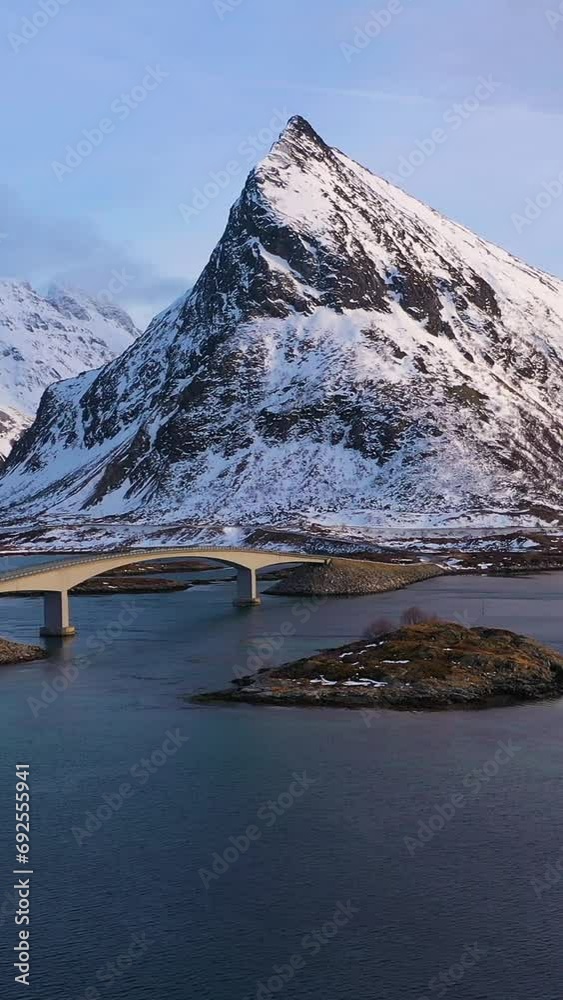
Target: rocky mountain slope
{"type": "Point", "coordinates": [347, 356]}
{"type": "Point", "coordinates": [46, 339]}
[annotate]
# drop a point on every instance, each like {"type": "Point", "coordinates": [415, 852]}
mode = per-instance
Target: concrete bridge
{"type": "Point", "coordinates": [54, 580]}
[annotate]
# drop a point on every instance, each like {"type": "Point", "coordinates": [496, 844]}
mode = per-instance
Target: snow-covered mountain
{"type": "Point", "coordinates": [348, 356]}
{"type": "Point", "coordinates": [46, 339]}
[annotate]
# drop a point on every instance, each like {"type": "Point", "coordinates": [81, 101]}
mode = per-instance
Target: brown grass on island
{"type": "Point", "coordinates": [427, 664]}
{"type": "Point", "coordinates": [412, 616]}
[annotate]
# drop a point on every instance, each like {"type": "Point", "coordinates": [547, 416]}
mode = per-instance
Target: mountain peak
{"type": "Point", "coordinates": [298, 143]}
{"type": "Point", "coordinates": [299, 127]}
{"type": "Point", "coordinates": [45, 338]}
{"type": "Point", "coordinates": [347, 356]}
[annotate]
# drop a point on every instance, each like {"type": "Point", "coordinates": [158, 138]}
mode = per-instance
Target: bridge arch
{"type": "Point", "coordinates": [54, 580]}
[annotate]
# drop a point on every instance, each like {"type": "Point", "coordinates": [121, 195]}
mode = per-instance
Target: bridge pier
{"type": "Point", "coordinates": [56, 619]}
{"type": "Point", "coordinates": [247, 589]}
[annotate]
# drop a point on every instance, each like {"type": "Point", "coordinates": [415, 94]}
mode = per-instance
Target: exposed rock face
{"type": "Point", "coordinates": [436, 665]}
{"type": "Point", "coordinates": [348, 355]}
{"type": "Point", "coordinates": [45, 339]}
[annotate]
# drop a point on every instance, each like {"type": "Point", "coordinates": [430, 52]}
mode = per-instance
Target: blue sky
{"type": "Point", "coordinates": [220, 73]}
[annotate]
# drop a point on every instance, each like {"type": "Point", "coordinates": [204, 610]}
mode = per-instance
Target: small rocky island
{"type": "Point", "coordinates": [349, 577]}
{"type": "Point", "coordinates": [127, 584]}
{"type": "Point", "coordinates": [432, 665]}
{"type": "Point", "coordinates": [19, 652]}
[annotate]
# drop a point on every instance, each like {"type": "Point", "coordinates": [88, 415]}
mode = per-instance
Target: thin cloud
{"type": "Point", "coordinates": [73, 253]}
{"type": "Point", "coordinates": [378, 96]}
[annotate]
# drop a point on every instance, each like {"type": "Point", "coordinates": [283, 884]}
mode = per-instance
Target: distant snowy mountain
{"type": "Point", "coordinates": [348, 356]}
{"type": "Point", "coordinates": [46, 339]}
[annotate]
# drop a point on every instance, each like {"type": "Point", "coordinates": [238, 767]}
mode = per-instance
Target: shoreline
{"type": "Point", "coordinates": [229, 698]}
{"type": "Point", "coordinates": [108, 585]}
{"type": "Point", "coordinates": [12, 652]}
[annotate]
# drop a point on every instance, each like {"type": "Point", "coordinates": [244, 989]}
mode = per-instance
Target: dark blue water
{"type": "Point", "coordinates": [135, 888]}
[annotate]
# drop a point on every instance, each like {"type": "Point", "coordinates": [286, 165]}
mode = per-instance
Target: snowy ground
{"type": "Point", "coordinates": [429, 543]}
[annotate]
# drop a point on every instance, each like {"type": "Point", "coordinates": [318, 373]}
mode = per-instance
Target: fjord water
{"type": "Point", "coordinates": [366, 785]}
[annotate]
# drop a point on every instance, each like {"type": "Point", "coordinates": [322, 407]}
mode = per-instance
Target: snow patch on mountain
{"type": "Point", "coordinates": [47, 338]}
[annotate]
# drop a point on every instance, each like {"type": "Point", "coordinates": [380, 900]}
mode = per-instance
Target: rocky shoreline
{"type": "Point", "coordinates": [128, 585]}
{"type": "Point", "coordinates": [165, 566]}
{"type": "Point", "coordinates": [19, 652]}
{"type": "Point", "coordinates": [418, 667]}
{"type": "Point", "coordinates": [351, 577]}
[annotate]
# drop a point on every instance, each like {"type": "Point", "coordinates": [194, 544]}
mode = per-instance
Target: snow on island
{"type": "Point", "coordinates": [424, 666]}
